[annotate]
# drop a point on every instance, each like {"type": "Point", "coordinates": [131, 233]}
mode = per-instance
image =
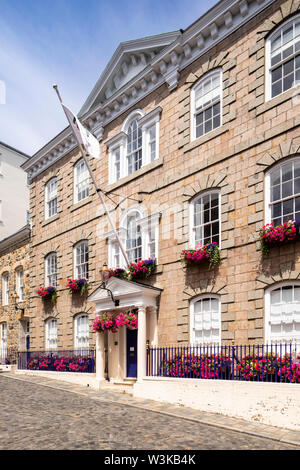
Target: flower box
{"type": "Point", "coordinates": [142, 269]}
{"type": "Point", "coordinates": [118, 272]}
{"type": "Point", "coordinates": [48, 293]}
{"type": "Point", "coordinates": [201, 254]}
{"type": "Point", "coordinates": [78, 286]}
{"type": "Point", "coordinates": [271, 235]}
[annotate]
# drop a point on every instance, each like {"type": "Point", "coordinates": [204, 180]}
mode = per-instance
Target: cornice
{"type": "Point", "coordinates": [165, 67]}
{"type": "Point", "coordinates": [17, 237]}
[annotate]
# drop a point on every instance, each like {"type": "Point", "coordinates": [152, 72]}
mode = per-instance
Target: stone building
{"type": "Point", "coordinates": [14, 303]}
{"type": "Point", "coordinates": [200, 143]}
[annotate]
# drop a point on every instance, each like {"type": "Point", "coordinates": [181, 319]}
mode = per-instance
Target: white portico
{"type": "Point", "coordinates": [125, 347]}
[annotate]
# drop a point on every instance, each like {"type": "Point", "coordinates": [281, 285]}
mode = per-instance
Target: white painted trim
{"type": "Point", "coordinates": [267, 302]}
{"type": "Point", "coordinates": [192, 105]}
{"type": "Point", "coordinates": [192, 314]}
{"type": "Point", "coordinates": [191, 215]}
{"type": "Point", "coordinates": [268, 186]}
{"type": "Point", "coordinates": [268, 81]}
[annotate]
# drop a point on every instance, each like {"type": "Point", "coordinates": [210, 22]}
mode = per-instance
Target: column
{"type": "Point", "coordinates": [153, 333]}
{"type": "Point", "coordinates": [141, 340]}
{"type": "Point", "coordinates": [100, 356]}
{"type": "Point", "coordinates": [153, 339]}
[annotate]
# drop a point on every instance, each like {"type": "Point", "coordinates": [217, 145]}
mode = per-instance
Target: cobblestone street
{"type": "Point", "coordinates": [35, 416]}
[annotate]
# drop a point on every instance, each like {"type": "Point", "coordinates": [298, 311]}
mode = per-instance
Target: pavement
{"type": "Point", "coordinates": [234, 433]}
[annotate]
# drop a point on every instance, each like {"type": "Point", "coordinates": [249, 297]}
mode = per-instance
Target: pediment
{"type": "Point", "coordinates": [122, 288]}
{"type": "Point", "coordinates": [129, 60]}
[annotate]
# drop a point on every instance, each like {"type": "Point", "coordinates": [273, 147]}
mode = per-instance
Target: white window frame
{"type": "Point", "coordinates": [82, 245]}
{"type": "Point", "coordinates": [193, 111]}
{"type": "Point", "coordinates": [146, 122]}
{"type": "Point", "coordinates": [5, 289]}
{"type": "Point", "coordinates": [81, 341]}
{"type": "Point", "coordinates": [50, 197]}
{"type": "Point", "coordinates": [3, 340]}
{"type": "Point", "coordinates": [192, 209]}
{"type": "Point", "coordinates": [268, 203]}
{"type": "Point", "coordinates": [77, 183]}
{"type": "Point", "coordinates": [149, 226]}
{"type": "Point", "coordinates": [269, 68]}
{"type": "Point", "coordinates": [139, 149]}
{"type": "Point", "coordinates": [20, 283]}
{"type": "Point", "coordinates": [51, 269]}
{"type": "Point", "coordinates": [268, 291]}
{"type": "Point", "coordinates": [192, 319]}
{"type": "Point", "coordinates": [117, 143]}
{"type": "Point", "coordinates": [51, 334]}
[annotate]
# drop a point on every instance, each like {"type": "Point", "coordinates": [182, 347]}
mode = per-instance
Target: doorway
{"type": "Point", "coordinates": [131, 350]}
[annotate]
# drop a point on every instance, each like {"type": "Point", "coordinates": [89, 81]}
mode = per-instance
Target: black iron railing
{"type": "Point", "coordinates": [257, 363]}
{"type": "Point", "coordinates": [77, 360]}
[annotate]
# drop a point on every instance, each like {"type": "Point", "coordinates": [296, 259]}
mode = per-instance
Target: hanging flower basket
{"type": "Point", "coordinates": [202, 253]}
{"type": "Point", "coordinates": [271, 235]}
{"type": "Point", "coordinates": [48, 293]}
{"type": "Point", "coordinates": [142, 269]}
{"type": "Point", "coordinates": [78, 285]}
{"type": "Point", "coordinates": [132, 320]}
{"type": "Point", "coordinates": [112, 321]}
{"type": "Point", "coordinates": [105, 322]}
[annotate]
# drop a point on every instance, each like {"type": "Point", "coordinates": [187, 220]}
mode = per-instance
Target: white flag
{"type": "Point", "coordinates": [86, 139]}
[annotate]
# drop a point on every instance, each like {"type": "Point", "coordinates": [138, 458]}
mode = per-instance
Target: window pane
{"type": "Point", "coordinates": [287, 189]}
{"type": "Point", "coordinates": [287, 172]}
{"type": "Point", "coordinates": [276, 89]}
{"type": "Point", "coordinates": [276, 74]}
{"type": "Point", "coordinates": [275, 193]}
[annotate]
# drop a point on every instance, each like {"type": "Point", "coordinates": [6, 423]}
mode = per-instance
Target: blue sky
{"type": "Point", "coordinates": [68, 42]}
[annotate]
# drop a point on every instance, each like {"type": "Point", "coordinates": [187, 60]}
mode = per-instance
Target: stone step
{"type": "Point", "coordinates": [122, 386]}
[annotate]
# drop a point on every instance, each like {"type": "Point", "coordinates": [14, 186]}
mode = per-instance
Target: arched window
{"type": "Point", "coordinates": [81, 260]}
{"type": "Point", "coordinates": [206, 104]}
{"type": "Point", "coordinates": [51, 198]}
{"type": "Point", "coordinates": [139, 236]}
{"type": "Point", "coordinates": [283, 192]}
{"type": "Point", "coordinates": [205, 320]}
{"type": "Point", "coordinates": [205, 217]}
{"type": "Point", "coordinates": [51, 269]}
{"type": "Point", "coordinates": [283, 58]}
{"type": "Point", "coordinates": [81, 331]}
{"type": "Point", "coordinates": [134, 238]}
{"type": "Point", "coordinates": [3, 341]}
{"type": "Point", "coordinates": [51, 333]}
{"type": "Point", "coordinates": [282, 312]}
{"type": "Point", "coordinates": [81, 181]}
{"type": "Point", "coordinates": [5, 289]}
{"type": "Point", "coordinates": [20, 283]}
{"type": "Point", "coordinates": [134, 146]}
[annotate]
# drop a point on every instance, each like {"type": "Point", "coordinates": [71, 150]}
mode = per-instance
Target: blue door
{"type": "Point", "coordinates": [131, 353]}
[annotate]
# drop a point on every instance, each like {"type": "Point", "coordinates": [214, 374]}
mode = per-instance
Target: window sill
{"type": "Point", "coordinates": [273, 102]}
{"type": "Point", "coordinates": [205, 138]}
{"type": "Point", "coordinates": [127, 179]}
{"type": "Point", "coordinates": [82, 203]}
{"type": "Point", "coordinates": [51, 219]}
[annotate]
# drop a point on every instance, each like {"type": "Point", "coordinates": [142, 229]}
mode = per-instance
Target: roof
{"type": "Point", "coordinates": [17, 237]}
{"type": "Point", "coordinates": [14, 150]}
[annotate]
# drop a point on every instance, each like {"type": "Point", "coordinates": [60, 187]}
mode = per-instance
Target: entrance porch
{"type": "Point", "coordinates": [126, 349]}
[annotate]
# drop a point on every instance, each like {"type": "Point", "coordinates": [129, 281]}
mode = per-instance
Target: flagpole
{"type": "Point", "coordinates": [98, 190]}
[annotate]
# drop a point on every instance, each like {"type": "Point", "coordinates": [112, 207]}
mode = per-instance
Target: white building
{"type": "Point", "coordinates": [14, 192]}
